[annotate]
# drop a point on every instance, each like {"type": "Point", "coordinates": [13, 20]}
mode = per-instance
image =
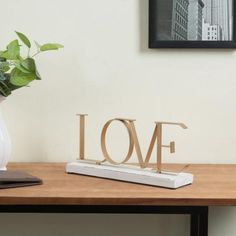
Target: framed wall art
{"type": "Point", "coordinates": [192, 24]}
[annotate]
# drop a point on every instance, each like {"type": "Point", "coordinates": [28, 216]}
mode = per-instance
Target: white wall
{"type": "Point", "coordinates": [107, 71]}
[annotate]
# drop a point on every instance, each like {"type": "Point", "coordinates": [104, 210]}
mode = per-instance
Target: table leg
{"type": "Point", "coordinates": [199, 222]}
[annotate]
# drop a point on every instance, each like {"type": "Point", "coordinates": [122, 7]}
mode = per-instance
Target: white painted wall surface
{"type": "Point", "coordinates": [107, 71]}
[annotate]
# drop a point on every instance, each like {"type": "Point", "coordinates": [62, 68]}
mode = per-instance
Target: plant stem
{"type": "Point", "coordinates": [36, 54]}
{"type": "Point", "coordinates": [28, 55]}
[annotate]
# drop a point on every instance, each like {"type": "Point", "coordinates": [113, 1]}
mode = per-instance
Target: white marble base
{"type": "Point", "coordinates": [135, 175]}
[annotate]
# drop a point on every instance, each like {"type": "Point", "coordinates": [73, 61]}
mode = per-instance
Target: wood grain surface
{"type": "Point", "coordinates": [213, 185]}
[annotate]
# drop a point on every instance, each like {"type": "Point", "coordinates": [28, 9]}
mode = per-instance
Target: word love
{"type": "Point", "coordinates": [133, 142]}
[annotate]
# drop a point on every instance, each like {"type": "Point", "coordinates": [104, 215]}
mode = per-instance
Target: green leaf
{"type": "Point", "coordinates": [29, 64]}
{"type": "Point", "coordinates": [26, 66]}
{"type": "Point", "coordinates": [20, 67]}
{"type": "Point", "coordinates": [2, 77]}
{"type": "Point", "coordinates": [19, 78]}
{"type": "Point", "coordinates": [13, 51]}
{"type": "Point", "coordinates": [50, 46]}
{"type": "Point", "coordinates": [7, 77]}
{"type": "Point", "coordinates": [24, 39]}
{"type": "Point", "coordinates": [4, 90]}
{"type": "Point", "coordinates": [8, 83]}
{"type": "Point", "coordinates": [4, 66]}
{"type": "Point", "coordinates": [1, 58]}
{"type": "Point", "coordinates": [38, 76]}
{"type": "Point", "coordinates": [4, 54]}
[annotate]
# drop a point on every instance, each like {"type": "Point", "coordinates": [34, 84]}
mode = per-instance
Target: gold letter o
{"type": "Point", "coordinates": [103, 143]}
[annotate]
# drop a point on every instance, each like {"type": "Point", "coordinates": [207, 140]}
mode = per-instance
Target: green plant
{"type": "Point", "coordinates": [16, 70]}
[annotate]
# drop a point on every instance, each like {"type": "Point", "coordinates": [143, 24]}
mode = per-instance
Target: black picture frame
{"type": "Point", "coordinates": [153, 31]}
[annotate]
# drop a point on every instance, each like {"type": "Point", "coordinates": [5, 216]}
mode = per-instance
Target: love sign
{"type": "Point", "coordinates": [134, 145]}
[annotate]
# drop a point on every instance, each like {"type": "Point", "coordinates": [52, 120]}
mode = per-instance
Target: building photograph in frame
{"type": "Point", "coordinates": [191, 23]}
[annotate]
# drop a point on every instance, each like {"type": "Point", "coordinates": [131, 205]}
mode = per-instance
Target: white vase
{"type": "Point", "coordinates": [5, 142]}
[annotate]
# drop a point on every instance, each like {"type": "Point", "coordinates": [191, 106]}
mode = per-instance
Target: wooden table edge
{"type": "Point", "coordinates": [114, 201]}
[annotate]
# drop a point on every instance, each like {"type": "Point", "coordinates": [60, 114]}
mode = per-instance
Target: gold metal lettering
{"type": "Point", "coordinates": [133, 142]}
{"type": "Point", "coordinates": [103, 141]}
{"type": "Point", "coordinates": [82, 131]}
{"type": "Point", "coordinates": [159, 143]}
{"type": "Point", "coordinates": [136, 144]}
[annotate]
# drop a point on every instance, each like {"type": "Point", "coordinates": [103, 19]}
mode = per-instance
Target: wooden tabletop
{"type": "Point", "coordinates": [213, 185]}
